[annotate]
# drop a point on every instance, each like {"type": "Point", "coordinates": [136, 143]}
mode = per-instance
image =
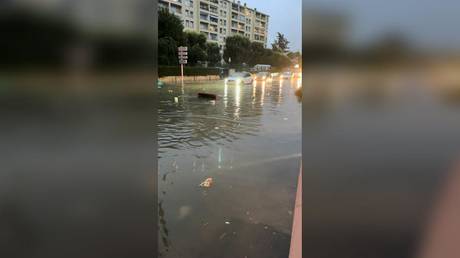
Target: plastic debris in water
{"type": "Point", "coordinates": [176, 99]}
{"type": "Point", "coordinates": [207, 183]}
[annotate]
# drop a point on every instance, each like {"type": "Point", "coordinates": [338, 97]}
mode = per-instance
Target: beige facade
{"type": "Point", "coordinates": [219, 19]}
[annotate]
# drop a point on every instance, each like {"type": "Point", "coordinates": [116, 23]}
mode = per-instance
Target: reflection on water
{"type": "Point", "coordinates": [375, 155]}
{"type": "Point", "coordinates": [248, 141]}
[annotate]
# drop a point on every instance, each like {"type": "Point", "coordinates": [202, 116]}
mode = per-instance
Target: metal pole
{"type": "Point", "coordinates": [182, 73]}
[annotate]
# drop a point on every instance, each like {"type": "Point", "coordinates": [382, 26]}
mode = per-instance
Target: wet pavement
{"type": "Point", "coordinates": [249, 142]}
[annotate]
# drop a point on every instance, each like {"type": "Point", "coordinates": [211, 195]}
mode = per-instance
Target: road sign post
{"type": "Point", "coordinates": [183, 56]}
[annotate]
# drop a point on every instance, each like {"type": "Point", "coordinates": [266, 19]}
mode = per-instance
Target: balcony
{"type": "Point", "coordinates": [204, 16]}
{"type": "Point", "coordinates": [213, 9]}
{"type": "Point", "coordinates": [213, 37]}
{"type": "Point", "coordinates": [213, 19]}
{"type": "Point", "coordinates": [204, 7]}
{"type": "Point", "coordinates": [213, 28]}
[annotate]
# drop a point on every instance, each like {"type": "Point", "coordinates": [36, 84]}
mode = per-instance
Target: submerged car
{"type": "Point", "coordinates": [262, 76]}
{"type": "Point", "coordinates": [237, 78]}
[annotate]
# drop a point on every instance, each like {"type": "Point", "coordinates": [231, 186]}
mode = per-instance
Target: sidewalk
{"type": "Point", "coordinates": [296, 236]}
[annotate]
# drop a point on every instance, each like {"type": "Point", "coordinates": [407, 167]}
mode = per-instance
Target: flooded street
{"type": "Point", "coordinates": [249, 142]}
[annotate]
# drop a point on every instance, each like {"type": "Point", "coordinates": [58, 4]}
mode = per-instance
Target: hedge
{"type": "Point", "coordinates": [188, 71]}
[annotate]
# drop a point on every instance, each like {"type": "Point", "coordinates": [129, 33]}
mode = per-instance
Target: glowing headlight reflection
{"type": "Point", "coordinates": [237, 94]}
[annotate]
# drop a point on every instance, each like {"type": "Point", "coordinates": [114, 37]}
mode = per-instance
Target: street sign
{"type": "Point", "coordinates": [183, 56]}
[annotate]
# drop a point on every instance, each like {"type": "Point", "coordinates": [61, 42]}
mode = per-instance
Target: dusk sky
{"type": "Point", "coordinates": [427, 23]}
{"type": "Point", "coordinates": [285, 17]}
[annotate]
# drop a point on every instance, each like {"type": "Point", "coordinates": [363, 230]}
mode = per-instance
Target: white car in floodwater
{"type": "Point", "coordinates": [237, 78]}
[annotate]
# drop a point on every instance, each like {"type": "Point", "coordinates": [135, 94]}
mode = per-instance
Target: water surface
{"type": "Point", "coordinates": [249, 142]}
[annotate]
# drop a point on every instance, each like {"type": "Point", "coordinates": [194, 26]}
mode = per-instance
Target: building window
{"type": "Point", "coordinates": [213, 9]}
{"type": "Point", "coordinates": [204, 6]}
{"type": "Point", "coordinates": [189, 3]}
{"type": "Point", "coordinates": [176, 9]}
{"type": "Point", "coordinates": [212, 36]}
{"type": "Point", "coordinates": [203, 26]}
{"type": "Point", "coordinates": [213, 19]}
{"type": "Point", "coordinates": [204, 16]}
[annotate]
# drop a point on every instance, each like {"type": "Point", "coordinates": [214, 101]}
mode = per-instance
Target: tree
{"type": "Point", "coordinates": [196, 54]}
{"type": "Point", "coordinates": [257, 54]}
{"type": "Point", "coordinates": [196, 43]}
{"type": "Point", "coordinates": [278, 59]}
{"type": "Point", "coordinates": [213, 52]}
{"type": "Point", "coordinates": [194, 38]}
{"type": "Point", "coordinates": [281, 44]}
{"type": "Point", "coordinates": [169, 25]}
{"type": "Point", "coordinates": [167, 51]}
{"type": "Point", "coordinates": [237, 49]}
{"type": "Point", "coordinates": [296, 57]}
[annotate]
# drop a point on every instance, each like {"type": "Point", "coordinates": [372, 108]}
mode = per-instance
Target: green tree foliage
{"type": "Point", "coordinates": [194, 38]}
{"type": "Point", "coordinates": [257, 54]}
{"type": "Point", "coordinates": [279, 59]}
{"type": "Point", "coordinates": [237, 49]}
{"type": "Point", "coordinates": [196, 43]}
{"type": "Point", "coordinates": [241, 50]}
{"type": "Point", "coordinates": [169, 25]}
{"type": "Point", "coordinates": [195, 54]}
{"type": "Point", "coordinates": [167, 51]}
{"type": "Point", "coordinates": [295, 57]}
{"type": "Point", "coordinates": [213, 52]}
{"type": "Point", "coordinates": [281, 44]}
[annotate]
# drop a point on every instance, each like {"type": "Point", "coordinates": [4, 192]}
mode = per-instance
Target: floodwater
{"type": "Point", "coordinates": [375, 158]}
{"type": "Point", "coordinates": [249, 142]}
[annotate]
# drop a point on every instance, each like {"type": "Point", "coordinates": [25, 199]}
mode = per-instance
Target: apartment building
{"type": "Point", "coordinates": [219, 19]}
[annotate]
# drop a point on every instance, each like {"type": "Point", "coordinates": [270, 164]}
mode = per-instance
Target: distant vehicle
{"type": "Point", "coordinates": [275, 75]}
{"type": "Point", "coordinates": [286, 75]}
{"type": "Point", "coordinates": [237, 78]}
{"type": "Point", "coordinates": [262, 76]}
{"type": "Point", "coordinates": [261, 68]}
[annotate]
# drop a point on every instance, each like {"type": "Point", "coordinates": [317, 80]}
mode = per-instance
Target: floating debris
{"type": "Point", "coordinates": [207, 95]}
{"type": "Point", "coordinates": [227, 222]}
{"type": "Point", "coordinates": [222, 236]}
{"type": "Point", "coordinates": [206, 183]}
{"type": "Point", "coordinates": [176, 99]}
